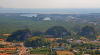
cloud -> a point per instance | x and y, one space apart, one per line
50 3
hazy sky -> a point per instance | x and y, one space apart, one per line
50 3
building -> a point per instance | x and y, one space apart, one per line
98 38
51 38
5 54
47 19
6 35
7 51
2 40
64 52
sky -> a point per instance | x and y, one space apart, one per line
49 3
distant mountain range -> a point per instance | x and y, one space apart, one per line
67 10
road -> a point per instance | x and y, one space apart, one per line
23 50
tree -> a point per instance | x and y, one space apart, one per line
57 31
36 42
2 46
88 31
20 35
37 33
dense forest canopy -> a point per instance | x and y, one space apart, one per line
20 35
11 22
88 31
57 31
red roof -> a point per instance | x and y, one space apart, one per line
4 54
7 48
98 36
1 39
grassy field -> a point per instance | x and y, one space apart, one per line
40 51
3 37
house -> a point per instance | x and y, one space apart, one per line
98 38
7 51
7 48
70 40
51 38
5 54
47 19
87 54
64 52
5 35
2 40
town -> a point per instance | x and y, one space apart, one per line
49 27
38 44
49 34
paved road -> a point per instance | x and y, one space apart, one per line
23 50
